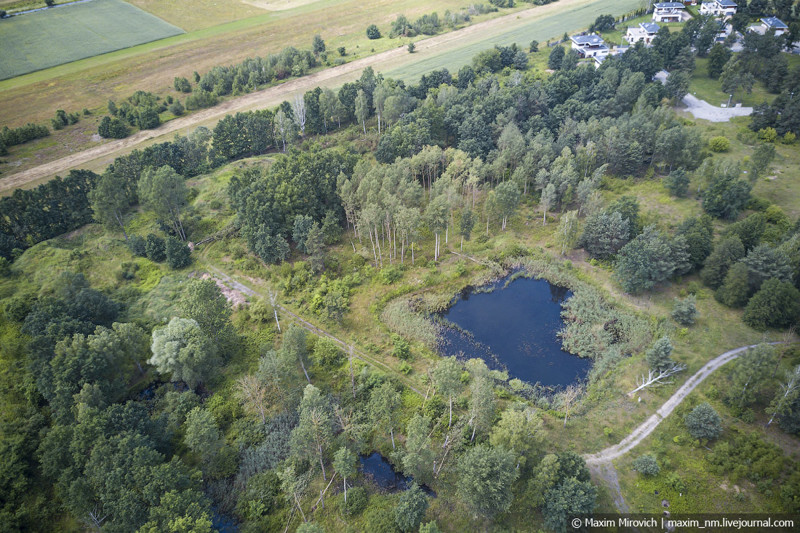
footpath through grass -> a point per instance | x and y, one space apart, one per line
55 36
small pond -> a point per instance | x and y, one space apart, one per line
513 326
380 471
222 522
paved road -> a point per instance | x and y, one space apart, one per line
703 110
647 427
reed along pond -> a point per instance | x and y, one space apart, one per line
512 324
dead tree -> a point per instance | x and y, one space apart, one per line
655 379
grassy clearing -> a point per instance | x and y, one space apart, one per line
40 40
711 91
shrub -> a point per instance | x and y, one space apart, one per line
391 274
182 85
789 138
719 144
112 128
155 248
176 108
768 135
327 353
356 501
177 253
137 246
775 305
684 312
372 33
405 368
411 48
401 348
646 465
342 51
703 422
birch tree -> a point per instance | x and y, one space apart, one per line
447 376
383 404
787 392
547 200
314 431
362 110
344 464
568 231
299 110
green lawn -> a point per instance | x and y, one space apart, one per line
710 90
48 38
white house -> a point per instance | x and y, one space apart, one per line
616 51
668 11
770 23
644 32
724 32
718 8
590 45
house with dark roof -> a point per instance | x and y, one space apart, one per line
668 11
644 32
589 45
718 8
770 23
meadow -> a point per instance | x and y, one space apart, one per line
48 38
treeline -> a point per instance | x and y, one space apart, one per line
49 210
23 134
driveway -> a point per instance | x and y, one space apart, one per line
703 110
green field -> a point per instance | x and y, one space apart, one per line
522 33
48 38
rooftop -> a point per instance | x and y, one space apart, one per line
726 3
650 27
774 22
668 5
587 40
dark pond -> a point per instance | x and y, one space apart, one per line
380 471
515 328
222 523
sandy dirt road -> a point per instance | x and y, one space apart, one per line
98 157
647 427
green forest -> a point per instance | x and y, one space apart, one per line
215 332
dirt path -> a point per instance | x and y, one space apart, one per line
647 427
300 321
331 77
607 473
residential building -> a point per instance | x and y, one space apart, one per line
718 8
668 11
591 45
617 50
770 23
644 32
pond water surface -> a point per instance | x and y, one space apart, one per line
381 472
515 328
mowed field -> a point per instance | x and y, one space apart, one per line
532 25
63 34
